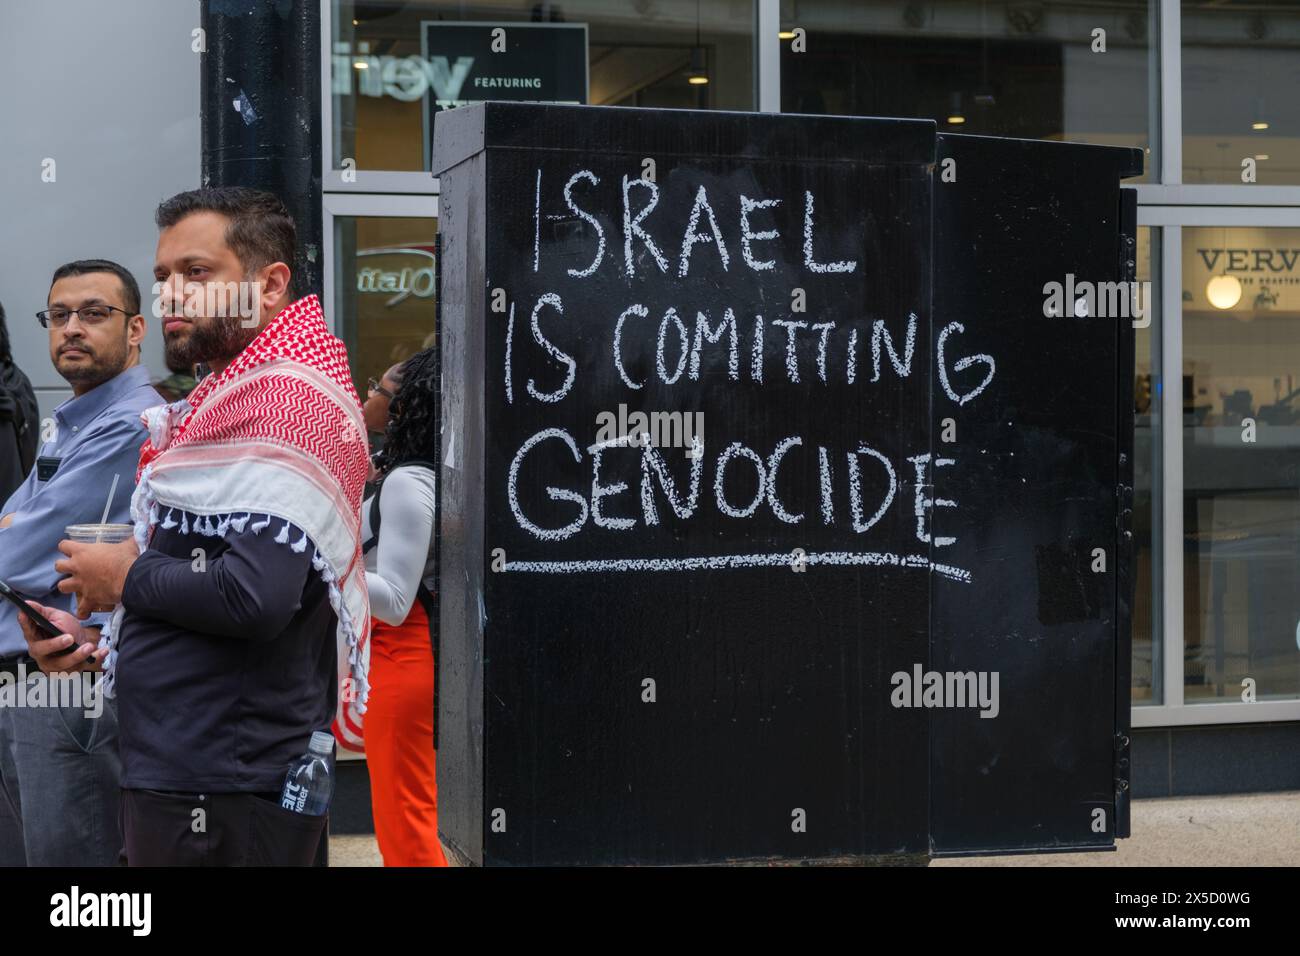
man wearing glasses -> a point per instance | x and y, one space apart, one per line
59 766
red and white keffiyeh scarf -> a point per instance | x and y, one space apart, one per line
276 439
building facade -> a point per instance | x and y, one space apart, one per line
1200 86
1205 88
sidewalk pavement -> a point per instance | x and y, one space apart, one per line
1245 829
1251 829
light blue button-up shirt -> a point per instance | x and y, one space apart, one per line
97 435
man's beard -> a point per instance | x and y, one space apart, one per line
104 364
214 339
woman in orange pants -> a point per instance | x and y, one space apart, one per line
399 743
399 716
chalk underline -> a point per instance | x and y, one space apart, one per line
733 561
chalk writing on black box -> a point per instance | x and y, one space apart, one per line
628 235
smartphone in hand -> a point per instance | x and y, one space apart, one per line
37 619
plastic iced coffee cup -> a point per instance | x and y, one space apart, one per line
99 533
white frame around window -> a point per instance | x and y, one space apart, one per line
767 56
1169 92
1223 195
374 181
1175 711
1218 216
364 204
1169 495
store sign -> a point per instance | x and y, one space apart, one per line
470 62
537 62
404 78
405 271
1269 276
1250 260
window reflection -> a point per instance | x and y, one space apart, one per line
384 291
1241 70
1059 69
1147 562
692 55
1241 458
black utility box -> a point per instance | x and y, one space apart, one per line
785 505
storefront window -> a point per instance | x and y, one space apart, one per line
1241 70
1057 69
394 64
384 290
1147 562
1241 460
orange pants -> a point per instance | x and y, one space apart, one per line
399 742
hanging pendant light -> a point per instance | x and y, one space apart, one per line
1223 291
1261 122
955 115
984 92
699 73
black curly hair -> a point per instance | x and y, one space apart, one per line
411 414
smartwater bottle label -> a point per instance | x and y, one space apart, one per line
294 797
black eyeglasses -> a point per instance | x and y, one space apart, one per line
90 315
376 387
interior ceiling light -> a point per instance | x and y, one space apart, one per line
955 116
1223 291
698 76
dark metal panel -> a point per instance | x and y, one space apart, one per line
1126 573
772 685
458 135
1229 758
260 107
680 133
1037 457
460 582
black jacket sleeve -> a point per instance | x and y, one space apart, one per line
18 405
250 591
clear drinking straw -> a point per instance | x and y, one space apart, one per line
108 506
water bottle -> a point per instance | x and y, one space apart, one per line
310 783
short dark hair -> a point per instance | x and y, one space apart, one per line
261 230
130 290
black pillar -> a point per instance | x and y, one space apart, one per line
260 103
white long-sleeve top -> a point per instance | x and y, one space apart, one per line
401 558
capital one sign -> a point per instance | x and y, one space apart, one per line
401 272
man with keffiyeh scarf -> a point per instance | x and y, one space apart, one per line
240 614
